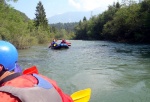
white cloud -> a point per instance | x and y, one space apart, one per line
75 4
87 5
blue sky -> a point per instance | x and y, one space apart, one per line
54 7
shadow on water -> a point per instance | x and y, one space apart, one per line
116 72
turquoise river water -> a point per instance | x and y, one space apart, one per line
116 72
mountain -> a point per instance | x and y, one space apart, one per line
69 17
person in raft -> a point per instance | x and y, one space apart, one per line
16 86
65 42
53 43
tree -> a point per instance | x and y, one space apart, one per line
40 14
4 1
84 19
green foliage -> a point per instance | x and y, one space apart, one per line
81 30
42 35
66 26
4 34
42 31
115 28
63 30
15 27
92 29
84 18
129 22
40 14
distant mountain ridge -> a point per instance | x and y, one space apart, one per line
69 17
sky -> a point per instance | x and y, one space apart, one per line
54 7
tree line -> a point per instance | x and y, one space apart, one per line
122 22
23 32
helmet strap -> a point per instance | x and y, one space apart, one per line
2 72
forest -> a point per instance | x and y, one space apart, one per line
23 32
127 21
121 22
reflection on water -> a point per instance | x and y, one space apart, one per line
115 72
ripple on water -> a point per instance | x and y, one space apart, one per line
116 72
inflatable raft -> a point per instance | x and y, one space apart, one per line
59 46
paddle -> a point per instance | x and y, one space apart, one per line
82 95
79 96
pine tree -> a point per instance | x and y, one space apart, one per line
40 14
84 19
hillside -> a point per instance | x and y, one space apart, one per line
69 17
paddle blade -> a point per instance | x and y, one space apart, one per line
82 95
31 70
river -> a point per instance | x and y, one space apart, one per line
116 72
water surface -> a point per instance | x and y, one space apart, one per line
116 72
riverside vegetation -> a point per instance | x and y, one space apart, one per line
23 32
127 21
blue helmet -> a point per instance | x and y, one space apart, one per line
8 55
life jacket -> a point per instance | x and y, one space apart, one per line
63 41
32 88
53 44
